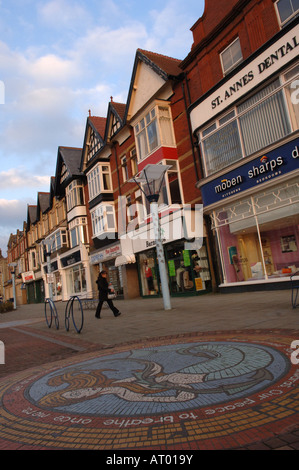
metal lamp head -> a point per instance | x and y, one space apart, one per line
150 180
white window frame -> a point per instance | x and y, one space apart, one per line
101 220
289 18
78 226
160 114
73 195
234 64
95 179
52 241
232 114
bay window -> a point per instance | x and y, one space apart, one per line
78 232
74 195
154 130
103 220
99 180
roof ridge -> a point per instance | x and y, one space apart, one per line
160 55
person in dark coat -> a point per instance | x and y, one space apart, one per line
104 290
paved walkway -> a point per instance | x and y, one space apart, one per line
216 372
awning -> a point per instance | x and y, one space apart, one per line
125 259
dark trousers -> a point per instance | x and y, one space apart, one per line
110 304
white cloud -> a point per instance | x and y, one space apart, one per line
63 14
21 178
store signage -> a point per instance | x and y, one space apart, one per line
28 276
71 259
108 253
270 61
266 167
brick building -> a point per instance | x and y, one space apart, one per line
243 79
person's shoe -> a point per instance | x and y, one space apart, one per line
96 316
117 314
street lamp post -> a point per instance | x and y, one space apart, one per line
150 181
47 254
13 273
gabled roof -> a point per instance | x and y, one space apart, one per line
31 216
117 111
98 124
166 69
43 202
161 63
71 158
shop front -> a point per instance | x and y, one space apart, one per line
188 269
255 219
75 274
105 260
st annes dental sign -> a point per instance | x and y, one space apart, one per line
256 172
256 69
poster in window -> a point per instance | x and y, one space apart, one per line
288 244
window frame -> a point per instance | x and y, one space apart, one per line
227 49
95 180
208 130
100 219
289 18
165 137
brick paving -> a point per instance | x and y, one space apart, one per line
32 351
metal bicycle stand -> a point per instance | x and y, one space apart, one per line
69 311
50 313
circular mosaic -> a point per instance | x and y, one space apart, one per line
206 391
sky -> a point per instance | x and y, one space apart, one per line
58 60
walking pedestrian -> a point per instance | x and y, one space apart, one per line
104 291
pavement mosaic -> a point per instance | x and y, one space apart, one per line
217 390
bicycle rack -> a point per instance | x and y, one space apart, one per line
69 310
53 313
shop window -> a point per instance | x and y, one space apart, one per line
256 123
76 280
149 273
231 56
258 237
188 270
99 180
287 10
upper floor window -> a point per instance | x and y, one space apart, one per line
125 171
99 180
154 130
56 240
231 56
261 120
74 195
78 232
287 9
134 165
103 220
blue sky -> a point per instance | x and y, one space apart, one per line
60 58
